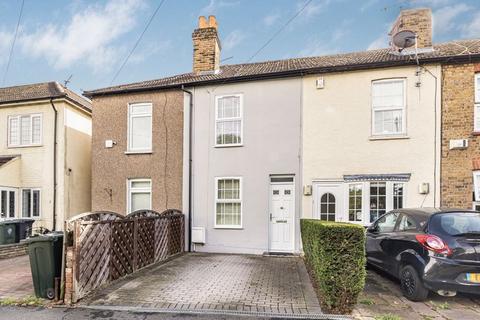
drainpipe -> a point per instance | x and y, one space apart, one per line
190 207
54 164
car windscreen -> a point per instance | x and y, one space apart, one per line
456 223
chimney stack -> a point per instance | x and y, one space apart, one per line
206 46
418 21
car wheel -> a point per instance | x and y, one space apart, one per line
412 285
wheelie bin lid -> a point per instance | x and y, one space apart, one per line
52 236
8 221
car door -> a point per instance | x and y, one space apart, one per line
379 240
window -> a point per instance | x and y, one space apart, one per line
387 222
228 202
7 203
24 130
140 127
30 203
397 195
476 185
388 107
139 194
355 202
407 224
228 121
378 197
327 207
477 103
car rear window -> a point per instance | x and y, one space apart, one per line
456 223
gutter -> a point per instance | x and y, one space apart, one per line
294 73
190 187
54 213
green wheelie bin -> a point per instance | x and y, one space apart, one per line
8 232
45 253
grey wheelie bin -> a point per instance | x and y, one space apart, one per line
8 232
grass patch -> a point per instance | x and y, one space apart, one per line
441 306
388 316
367 301
30 301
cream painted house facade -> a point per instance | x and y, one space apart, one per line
370 142
45 146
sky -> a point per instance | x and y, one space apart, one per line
88 40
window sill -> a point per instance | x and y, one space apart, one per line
228 228
228 145
476 133
139 152
26 146
389 137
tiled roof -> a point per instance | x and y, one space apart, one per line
6 159
38 91
331 63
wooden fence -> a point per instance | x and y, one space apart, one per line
107 246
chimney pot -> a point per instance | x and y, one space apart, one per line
202 22
212 22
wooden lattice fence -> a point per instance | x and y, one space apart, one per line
107 246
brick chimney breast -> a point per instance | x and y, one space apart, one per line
418 21
206 46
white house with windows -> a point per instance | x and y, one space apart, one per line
44 153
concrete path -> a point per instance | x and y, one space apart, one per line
15 278
382 297
216 283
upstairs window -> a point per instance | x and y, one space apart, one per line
388 107
140 127
25 130
228 120
477 103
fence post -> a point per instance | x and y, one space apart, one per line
135 244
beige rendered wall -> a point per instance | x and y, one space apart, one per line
77 165
111 167
36 163
337 136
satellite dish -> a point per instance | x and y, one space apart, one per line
404 39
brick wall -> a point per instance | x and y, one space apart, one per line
457 123
13 250
418 21
206 46
69 297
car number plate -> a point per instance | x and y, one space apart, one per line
473 277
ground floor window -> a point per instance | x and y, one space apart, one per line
228 202
31 203
327 207
355 192
139 194
378 200
8 202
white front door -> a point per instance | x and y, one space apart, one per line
328 201
282 216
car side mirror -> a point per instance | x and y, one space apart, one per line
372 229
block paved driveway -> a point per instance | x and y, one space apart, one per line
15 278
215 283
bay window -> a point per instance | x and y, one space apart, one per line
228 203
388 107
228 120
24 130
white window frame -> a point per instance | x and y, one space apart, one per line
476 104
217 120
131 191
476 184
387 108
31 216
347 193
130 149
18 117
366 198
8 190
216 200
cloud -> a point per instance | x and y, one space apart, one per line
269 20
88 36
379 43
314 8
214 5
6 39
444 18
233 39
151 49
317 48
472 28
367 4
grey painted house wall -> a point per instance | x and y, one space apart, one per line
271 146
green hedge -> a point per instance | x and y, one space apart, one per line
335 255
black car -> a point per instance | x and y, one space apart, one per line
428 249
